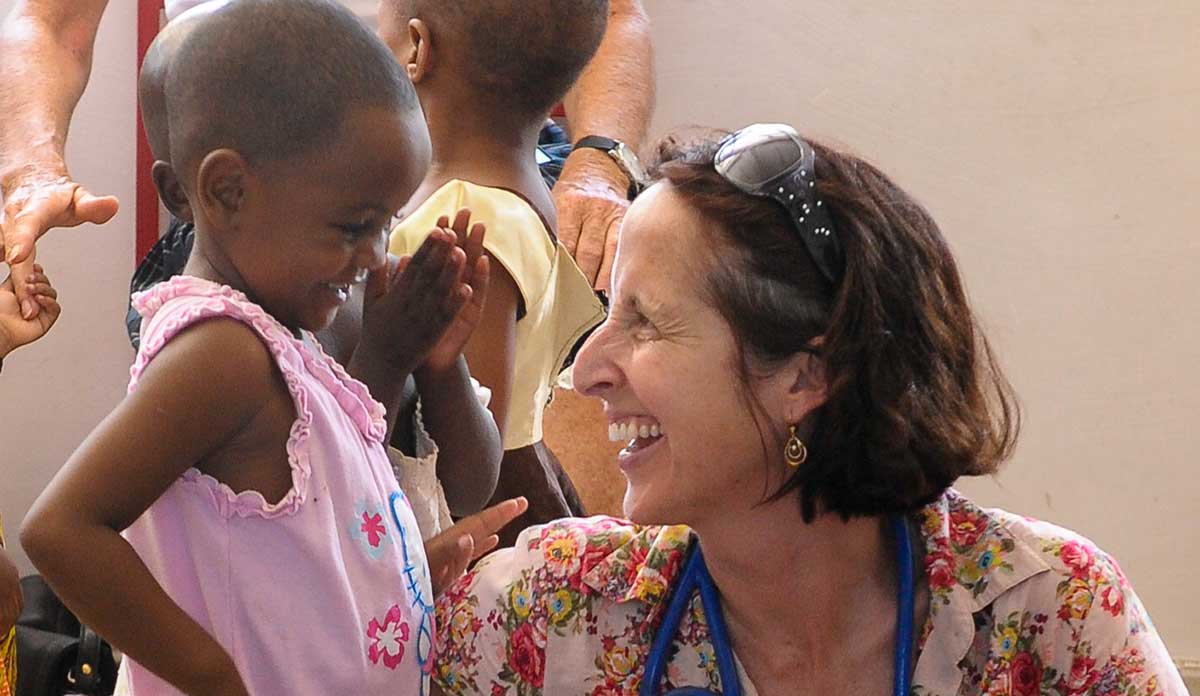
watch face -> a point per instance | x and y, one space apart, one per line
630 163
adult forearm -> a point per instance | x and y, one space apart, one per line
615 94
83 563
469 448
45 60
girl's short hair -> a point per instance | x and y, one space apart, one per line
915 395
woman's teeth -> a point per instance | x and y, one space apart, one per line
631 429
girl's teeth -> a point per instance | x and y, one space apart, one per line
655 431
644 431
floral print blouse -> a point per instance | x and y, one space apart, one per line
1017 606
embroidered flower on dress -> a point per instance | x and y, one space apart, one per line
369 529
388 639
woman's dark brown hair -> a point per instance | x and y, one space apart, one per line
915 396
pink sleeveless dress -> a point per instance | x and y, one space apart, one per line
325 592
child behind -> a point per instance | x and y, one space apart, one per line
487 73
267 547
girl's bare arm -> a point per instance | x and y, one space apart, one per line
201 390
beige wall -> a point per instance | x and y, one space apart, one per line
1057 144
53 393
1057 147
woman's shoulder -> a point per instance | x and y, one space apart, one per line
1045 596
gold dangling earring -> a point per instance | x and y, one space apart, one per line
795 453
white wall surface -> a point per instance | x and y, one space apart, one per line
1057 145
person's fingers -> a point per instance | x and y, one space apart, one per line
462 220
484 524
481 277
589 252
94 209
37 290
455 564
20 272
568 217
378 282
399 265
474 246
50 307
611 237
486 546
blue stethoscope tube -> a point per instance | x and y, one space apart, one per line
695 577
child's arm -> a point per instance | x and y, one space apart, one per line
491 351
201 390
468 439
16 330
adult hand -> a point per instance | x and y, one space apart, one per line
34 202
15 329
450 552
591 197
446 352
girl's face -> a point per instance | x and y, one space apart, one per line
311 227
666 362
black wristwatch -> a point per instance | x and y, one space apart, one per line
624 157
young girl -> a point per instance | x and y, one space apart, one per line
266 545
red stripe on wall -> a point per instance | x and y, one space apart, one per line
146 219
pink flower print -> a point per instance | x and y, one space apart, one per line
388 639
368 528
372 526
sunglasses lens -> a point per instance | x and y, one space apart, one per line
759 154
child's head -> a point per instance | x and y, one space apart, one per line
296 138
515 58
152 95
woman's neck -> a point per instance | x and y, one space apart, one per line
800 599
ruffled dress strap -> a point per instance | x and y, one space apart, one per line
183 301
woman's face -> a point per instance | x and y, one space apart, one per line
666 362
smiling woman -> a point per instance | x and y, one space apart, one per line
794 363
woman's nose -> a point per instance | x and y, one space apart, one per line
596 371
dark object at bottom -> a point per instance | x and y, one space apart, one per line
56 654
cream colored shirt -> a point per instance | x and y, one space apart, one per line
560 306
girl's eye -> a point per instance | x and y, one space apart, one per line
359 230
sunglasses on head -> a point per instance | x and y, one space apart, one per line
771 160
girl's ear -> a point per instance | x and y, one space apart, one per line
221 187
419 60
170 191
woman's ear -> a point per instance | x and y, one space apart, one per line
808 388
419 60
221 187
170 191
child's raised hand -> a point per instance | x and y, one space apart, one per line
475 276
450 552
411 302
15 329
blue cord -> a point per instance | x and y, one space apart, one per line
695 576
